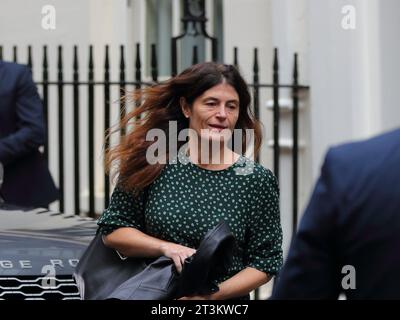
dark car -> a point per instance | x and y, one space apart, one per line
39 250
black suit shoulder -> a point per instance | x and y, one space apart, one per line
363 150
357 161
14 67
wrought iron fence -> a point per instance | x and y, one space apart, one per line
90 84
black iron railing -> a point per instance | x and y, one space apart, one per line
122 83
107 84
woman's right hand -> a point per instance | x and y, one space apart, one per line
177 253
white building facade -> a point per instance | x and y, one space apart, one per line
347 50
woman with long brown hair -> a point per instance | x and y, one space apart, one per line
165 207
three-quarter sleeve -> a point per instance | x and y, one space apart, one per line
263 250
124 210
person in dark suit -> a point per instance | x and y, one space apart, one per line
348 241
27 180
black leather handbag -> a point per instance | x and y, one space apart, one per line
103 274
101 269
160 280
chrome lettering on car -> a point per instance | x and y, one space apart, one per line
27 264
55 262
6 264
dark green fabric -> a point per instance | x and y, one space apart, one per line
185 201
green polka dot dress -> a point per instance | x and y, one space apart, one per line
185 201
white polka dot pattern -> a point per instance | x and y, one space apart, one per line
185 201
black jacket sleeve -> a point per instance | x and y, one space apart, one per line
30 133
